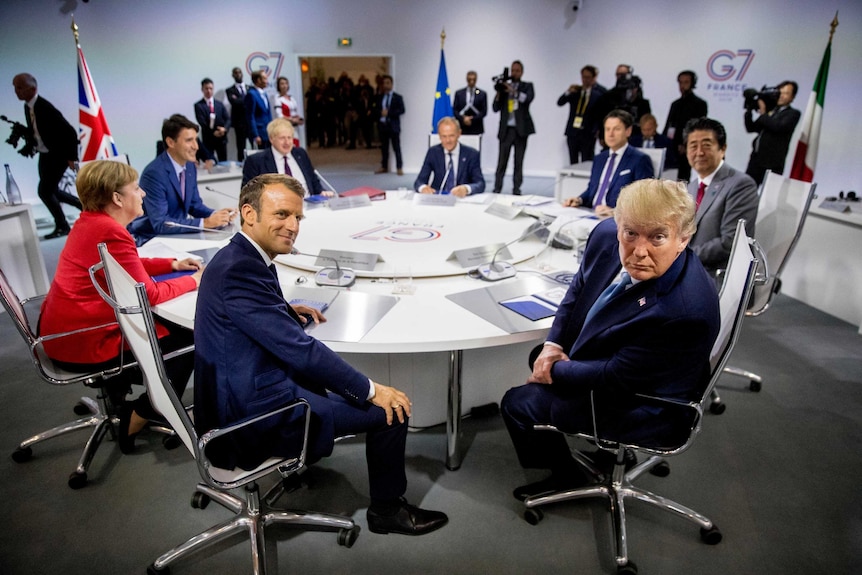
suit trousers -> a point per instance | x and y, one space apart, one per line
241 135
387 136
525 406
384 445
51 170
511 139
218 146
582 146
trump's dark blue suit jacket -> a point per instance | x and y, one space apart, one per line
252 356
634 165
469 169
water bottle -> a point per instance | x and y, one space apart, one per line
13 193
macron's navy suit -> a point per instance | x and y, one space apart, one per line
164 202
264 163
633 166
655 339
469 170
252 356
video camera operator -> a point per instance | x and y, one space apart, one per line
626 95
774 126
512 101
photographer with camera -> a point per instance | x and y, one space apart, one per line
513 102
774 127
626 95
57 143
581 129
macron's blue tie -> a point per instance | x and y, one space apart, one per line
610 293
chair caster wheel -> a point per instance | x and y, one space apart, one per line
81 409
151 570
77 480
21 455
755 385
628 569
711 536
661 469
717 408
533 516
171 442
347 537
200 500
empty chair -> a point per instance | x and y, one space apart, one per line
252 512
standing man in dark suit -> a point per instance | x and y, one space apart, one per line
651 333
688 106
614 168
171 184
258 114
471 107
774 129
57 143
284 158
449 167
581 128
722 194
513 101
390 107
241 314
235 98
213 120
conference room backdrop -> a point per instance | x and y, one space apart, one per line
147 60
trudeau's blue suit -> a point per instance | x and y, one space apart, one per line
264 163
164 203
655 339
252 356
469 169
633 166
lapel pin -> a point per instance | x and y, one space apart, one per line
642 301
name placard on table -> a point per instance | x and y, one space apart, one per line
356 260
434 200
472 257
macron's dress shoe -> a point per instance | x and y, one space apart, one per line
408 520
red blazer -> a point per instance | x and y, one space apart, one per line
73 303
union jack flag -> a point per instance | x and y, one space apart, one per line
94 137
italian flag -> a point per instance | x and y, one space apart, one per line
809 139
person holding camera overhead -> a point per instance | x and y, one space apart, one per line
774 127
513 102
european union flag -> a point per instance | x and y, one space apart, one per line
442 96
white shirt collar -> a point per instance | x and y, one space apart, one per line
266 258
708 180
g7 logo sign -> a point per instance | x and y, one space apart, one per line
721 68
269 63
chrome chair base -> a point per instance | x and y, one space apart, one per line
253 515
616 489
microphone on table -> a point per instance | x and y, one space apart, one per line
330 276
495 270
196 229
328 185
215 191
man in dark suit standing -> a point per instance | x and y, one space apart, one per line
651 333
235 96
213 120
258 113
283 158
172 204
449 167
774 129
614 168
722 194
57 143
390 107
513 101
683 109
581 128
241 314
471 107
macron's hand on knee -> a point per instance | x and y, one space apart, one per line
392 401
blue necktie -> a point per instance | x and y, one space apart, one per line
610 293
450 176
603 189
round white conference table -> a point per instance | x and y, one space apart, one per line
437 325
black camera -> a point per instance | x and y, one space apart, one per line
501 80
769 95
19 131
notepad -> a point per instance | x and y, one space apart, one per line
320 306
529 307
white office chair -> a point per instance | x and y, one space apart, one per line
618 487
781 213
657 157
252 512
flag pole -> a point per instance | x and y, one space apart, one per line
443 37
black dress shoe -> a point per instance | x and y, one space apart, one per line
126 441
556 482
407 520
58 233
